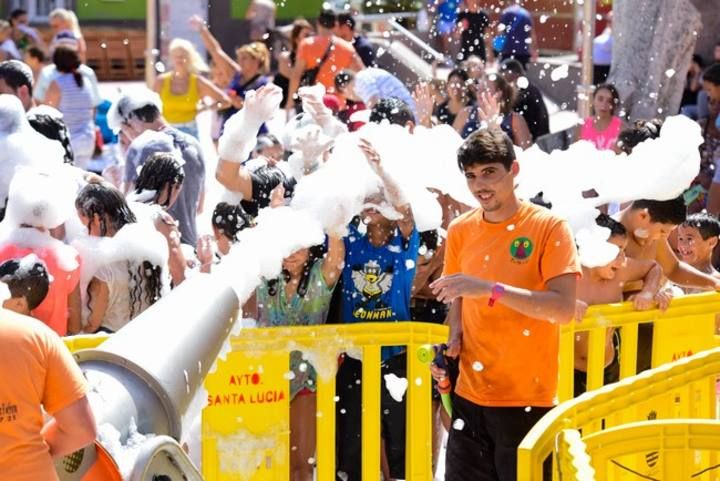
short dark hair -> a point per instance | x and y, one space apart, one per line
640 131
512 66
616 228
230 219
327 18
16 74
25 279
712 74
707 225
486 146
673 212
346 19
392 109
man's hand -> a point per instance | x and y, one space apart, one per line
449 288
205 250
581 308
277 196
437 373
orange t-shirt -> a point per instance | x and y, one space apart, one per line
312 49
36 371
53 311
507 358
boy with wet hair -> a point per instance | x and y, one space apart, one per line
28 282
697 238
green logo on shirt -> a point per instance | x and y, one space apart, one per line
521 248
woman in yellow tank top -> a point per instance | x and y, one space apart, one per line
183 88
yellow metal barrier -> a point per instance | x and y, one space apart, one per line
686 328
675 443
681 389
322 345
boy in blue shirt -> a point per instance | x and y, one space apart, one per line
376 287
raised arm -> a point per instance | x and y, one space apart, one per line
392 190
295 75
218 55
239 137
334 259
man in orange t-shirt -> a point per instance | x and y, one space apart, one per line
311 51
38 373
511 271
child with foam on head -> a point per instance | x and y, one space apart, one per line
27 280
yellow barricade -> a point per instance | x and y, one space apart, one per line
675 442
686 328
680 389
265 353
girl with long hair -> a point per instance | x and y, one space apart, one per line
603 127
300 296
158 186
124 281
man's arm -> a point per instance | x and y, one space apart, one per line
74 310
454 322
70 429
681 273
556 304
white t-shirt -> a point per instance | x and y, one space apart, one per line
120 286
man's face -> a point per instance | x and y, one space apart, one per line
491 184
343 31
691 246
609 272
21 20
716 53
712 90
22 93
132 128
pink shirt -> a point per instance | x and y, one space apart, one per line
603 140
53 311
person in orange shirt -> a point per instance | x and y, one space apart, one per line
44 376
320 57
511 270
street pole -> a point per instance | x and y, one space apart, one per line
151 37
584 90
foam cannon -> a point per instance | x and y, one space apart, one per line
148 373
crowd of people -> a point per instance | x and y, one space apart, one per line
87 250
